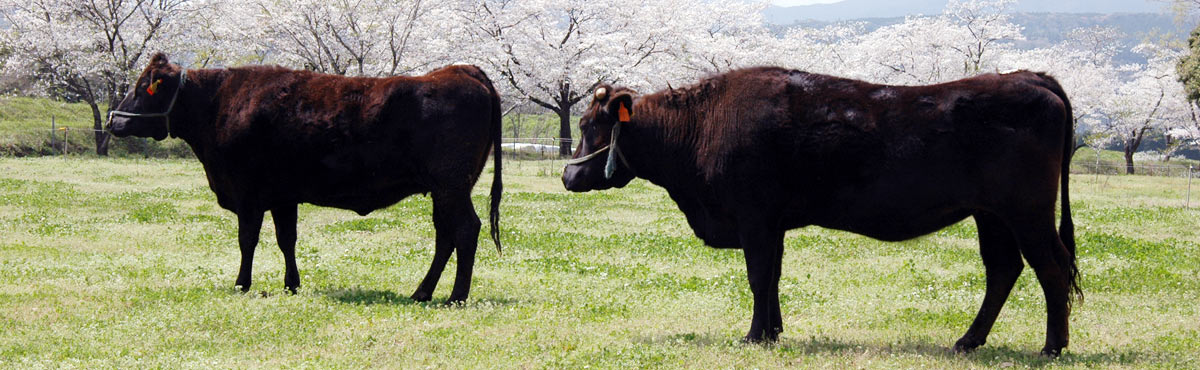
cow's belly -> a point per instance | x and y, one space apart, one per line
899 226
897 210
365 198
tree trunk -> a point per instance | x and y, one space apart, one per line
1131 146
1128 161
101 136
564 131
1169 150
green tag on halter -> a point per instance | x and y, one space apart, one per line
611 166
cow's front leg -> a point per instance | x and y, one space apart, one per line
285 233
763 247
249 225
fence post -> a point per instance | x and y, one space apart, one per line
1188 202
53 133
66 130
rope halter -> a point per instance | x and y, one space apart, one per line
165 115
614 153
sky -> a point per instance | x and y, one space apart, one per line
800 2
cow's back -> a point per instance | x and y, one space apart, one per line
869 153
356 143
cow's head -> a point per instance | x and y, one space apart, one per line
599 163
146 110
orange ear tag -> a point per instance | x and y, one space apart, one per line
623 113
153 87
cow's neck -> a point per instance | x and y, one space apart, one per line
659 145
196 108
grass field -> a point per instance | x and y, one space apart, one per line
130 263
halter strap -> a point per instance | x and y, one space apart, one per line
614 153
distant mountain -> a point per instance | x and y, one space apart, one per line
1046 29
852 9
856 9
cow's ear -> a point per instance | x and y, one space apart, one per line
620 106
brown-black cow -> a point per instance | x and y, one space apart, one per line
271 138
752 153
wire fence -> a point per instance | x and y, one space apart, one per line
1156 181
537 156
56 138
547 156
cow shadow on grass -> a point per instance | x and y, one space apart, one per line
367 297
988 356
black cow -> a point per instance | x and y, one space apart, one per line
752 153
271 138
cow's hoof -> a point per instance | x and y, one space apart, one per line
1051 352
420 296
456 300
965 345
762 336
291 285
243 288
292 289
760 339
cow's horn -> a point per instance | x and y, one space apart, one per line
601 93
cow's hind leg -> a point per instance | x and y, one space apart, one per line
763 248
466 240
1042 249
443 226
1002 263
285 233
249 225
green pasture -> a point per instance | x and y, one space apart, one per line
130 263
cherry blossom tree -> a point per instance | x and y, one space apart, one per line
88 50
356 37
988 27
968 38
1151 99
918 51
1083 64
711 37
555 52
225 33
830 50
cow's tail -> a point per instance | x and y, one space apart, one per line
497 184
1066 228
